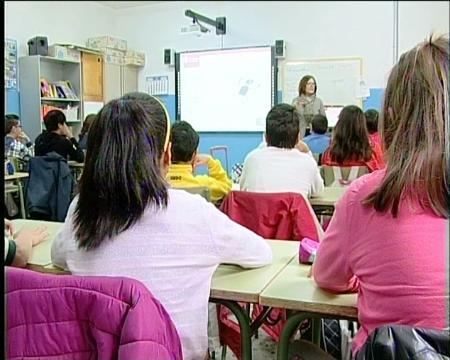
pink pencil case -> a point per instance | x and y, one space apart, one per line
307 251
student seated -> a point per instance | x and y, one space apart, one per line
18 250
372 125
58 137
126 221
388 237
350 144
318 141
82 139
185 160
17 143
286 164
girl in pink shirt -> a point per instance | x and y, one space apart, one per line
387 239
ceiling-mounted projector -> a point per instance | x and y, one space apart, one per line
194 29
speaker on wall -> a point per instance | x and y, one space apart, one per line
280 49
169 57
38 46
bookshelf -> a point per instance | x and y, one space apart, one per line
32 102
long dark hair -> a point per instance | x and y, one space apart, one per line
413 130
87 124
350 136
122 171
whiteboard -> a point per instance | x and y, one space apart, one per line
227 89
338 80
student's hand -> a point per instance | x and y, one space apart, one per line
67 131
9 227
302 147
303 102
32 236
23 136
201 159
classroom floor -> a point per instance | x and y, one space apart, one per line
264 348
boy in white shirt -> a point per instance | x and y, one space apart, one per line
285 165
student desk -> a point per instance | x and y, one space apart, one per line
328 197
41 255
293 289
231 284
9 188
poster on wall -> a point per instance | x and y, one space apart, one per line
10 64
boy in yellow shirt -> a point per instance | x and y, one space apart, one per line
185 160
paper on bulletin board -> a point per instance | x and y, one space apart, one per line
362 90
157 84
10 64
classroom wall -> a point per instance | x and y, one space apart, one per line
60 21
310 29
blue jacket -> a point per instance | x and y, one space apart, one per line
317 143
49 187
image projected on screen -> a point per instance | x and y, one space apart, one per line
225 90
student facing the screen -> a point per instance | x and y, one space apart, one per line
185 160
285 164
126 221
387 239
318 141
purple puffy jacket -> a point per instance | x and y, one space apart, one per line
66 317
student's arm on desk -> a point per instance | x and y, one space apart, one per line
331 268
234 243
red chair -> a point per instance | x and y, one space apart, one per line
282 216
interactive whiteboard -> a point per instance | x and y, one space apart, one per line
339 81
225 90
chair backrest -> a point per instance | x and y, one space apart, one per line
284 216
341 176
214 150
103 317
203 191
397 342
316 157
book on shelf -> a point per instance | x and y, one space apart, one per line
58 90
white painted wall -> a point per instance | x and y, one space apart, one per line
417 20
60 21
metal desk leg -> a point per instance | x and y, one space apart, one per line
290 326
22 203
316 330
244 325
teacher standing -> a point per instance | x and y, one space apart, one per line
307 103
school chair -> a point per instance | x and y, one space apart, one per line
203 191
397 342
283 216
317 157
85 317
341 176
